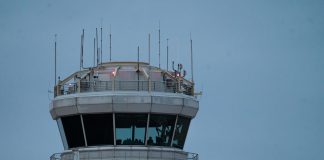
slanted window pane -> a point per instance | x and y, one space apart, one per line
130 129
181 131
161 129
98 129
73 131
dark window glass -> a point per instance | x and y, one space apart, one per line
98 129
130 129
73 131
181 131
160 130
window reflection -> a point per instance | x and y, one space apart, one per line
73 131
160 129
130 129
181 131
98 129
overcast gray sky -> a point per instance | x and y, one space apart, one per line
260 65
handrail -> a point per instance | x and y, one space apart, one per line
142 85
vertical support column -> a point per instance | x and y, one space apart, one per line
147 127
114 128
62 133
84 134
174 129
148 121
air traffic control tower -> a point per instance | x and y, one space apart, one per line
124 111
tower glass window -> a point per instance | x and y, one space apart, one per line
181 131
73 131
160 129
98 129
130 129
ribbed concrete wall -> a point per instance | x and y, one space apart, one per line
124 153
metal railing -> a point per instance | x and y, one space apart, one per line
97 86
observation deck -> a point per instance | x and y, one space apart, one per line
124 110
124 76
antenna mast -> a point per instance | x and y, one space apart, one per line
138 58
55 59
138 70
191 54
168 54
82 46
149 48
110 45
81 52
94 52
101 45
159 46
97 47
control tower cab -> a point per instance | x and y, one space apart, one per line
124 110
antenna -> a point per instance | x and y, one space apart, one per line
159 45
167 54
55 59
138 58
82 46
191 54
81 52
110 44
173 66
149 48
94 52
101 45
110 47
97 47
138 70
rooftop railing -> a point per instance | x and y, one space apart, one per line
97 86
